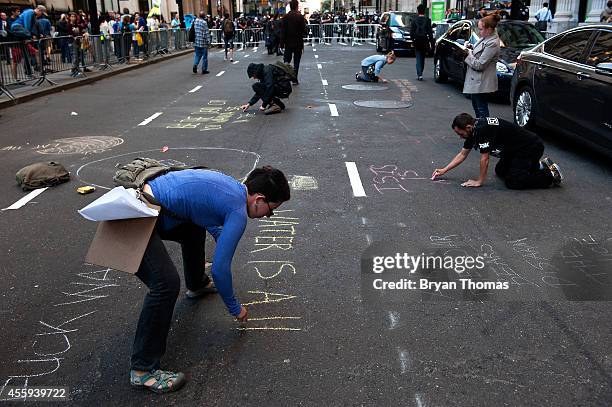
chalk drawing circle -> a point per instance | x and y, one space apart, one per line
364 87
81 145
159 156
383 104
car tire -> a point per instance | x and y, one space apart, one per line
439 75
524 108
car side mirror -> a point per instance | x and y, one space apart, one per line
604 67
434 25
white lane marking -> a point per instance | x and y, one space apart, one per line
218 52
255 49
303 183
394 318
150 119
316 56
319 66
418 397
364 221
343 43
333 109
26 199
324 81
220 73
404 360
343 155
369 239
314 50
197 88
355 179
246 56
372 43
235 62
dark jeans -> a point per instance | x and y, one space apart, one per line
521 170
159 274
365 77
420 60
260 90
480 104
296 53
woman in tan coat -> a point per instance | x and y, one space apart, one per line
481 61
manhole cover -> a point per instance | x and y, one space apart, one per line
80 145
383 104
364 87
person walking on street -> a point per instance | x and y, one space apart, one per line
372 66
422 37
543 16
292 37
201 43
520 165
201 201
229 30
481 60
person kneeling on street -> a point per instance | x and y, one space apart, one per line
274 84
371 67
193 202
520 165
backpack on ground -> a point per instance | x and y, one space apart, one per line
287 69
41 175
228 27
136 173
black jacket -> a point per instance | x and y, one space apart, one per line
425 22
272 81
293 30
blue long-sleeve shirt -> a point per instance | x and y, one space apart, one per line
213 201
377 60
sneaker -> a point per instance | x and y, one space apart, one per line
195 69
272 109
231 59
546 162
556 173
356 76
205 72
210 289
295 83
420 78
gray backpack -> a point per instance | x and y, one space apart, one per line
42 175
136 173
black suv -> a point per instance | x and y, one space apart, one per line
565 84
394 32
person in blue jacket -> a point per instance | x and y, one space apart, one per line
371 67
193 202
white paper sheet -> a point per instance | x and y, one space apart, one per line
118 203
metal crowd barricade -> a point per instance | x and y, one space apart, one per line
363 33
216 36
254 36
19 64
344 32
313 33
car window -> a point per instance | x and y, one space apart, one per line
400 20
519 35
571 46
461 31
602 49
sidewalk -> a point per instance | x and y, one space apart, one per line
64 81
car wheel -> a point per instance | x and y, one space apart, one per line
524 108
378 47
439 75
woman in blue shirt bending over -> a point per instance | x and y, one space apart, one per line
371 67
195 201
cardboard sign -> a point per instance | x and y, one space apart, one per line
120 244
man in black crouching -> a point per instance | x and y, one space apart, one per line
520 165
274 84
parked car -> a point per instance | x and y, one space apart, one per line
565 84
394 32
515 36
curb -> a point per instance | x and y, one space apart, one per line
85 81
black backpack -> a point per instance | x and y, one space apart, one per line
228 27
420 31
191 33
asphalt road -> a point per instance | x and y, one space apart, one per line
319 334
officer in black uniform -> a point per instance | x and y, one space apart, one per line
521 165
